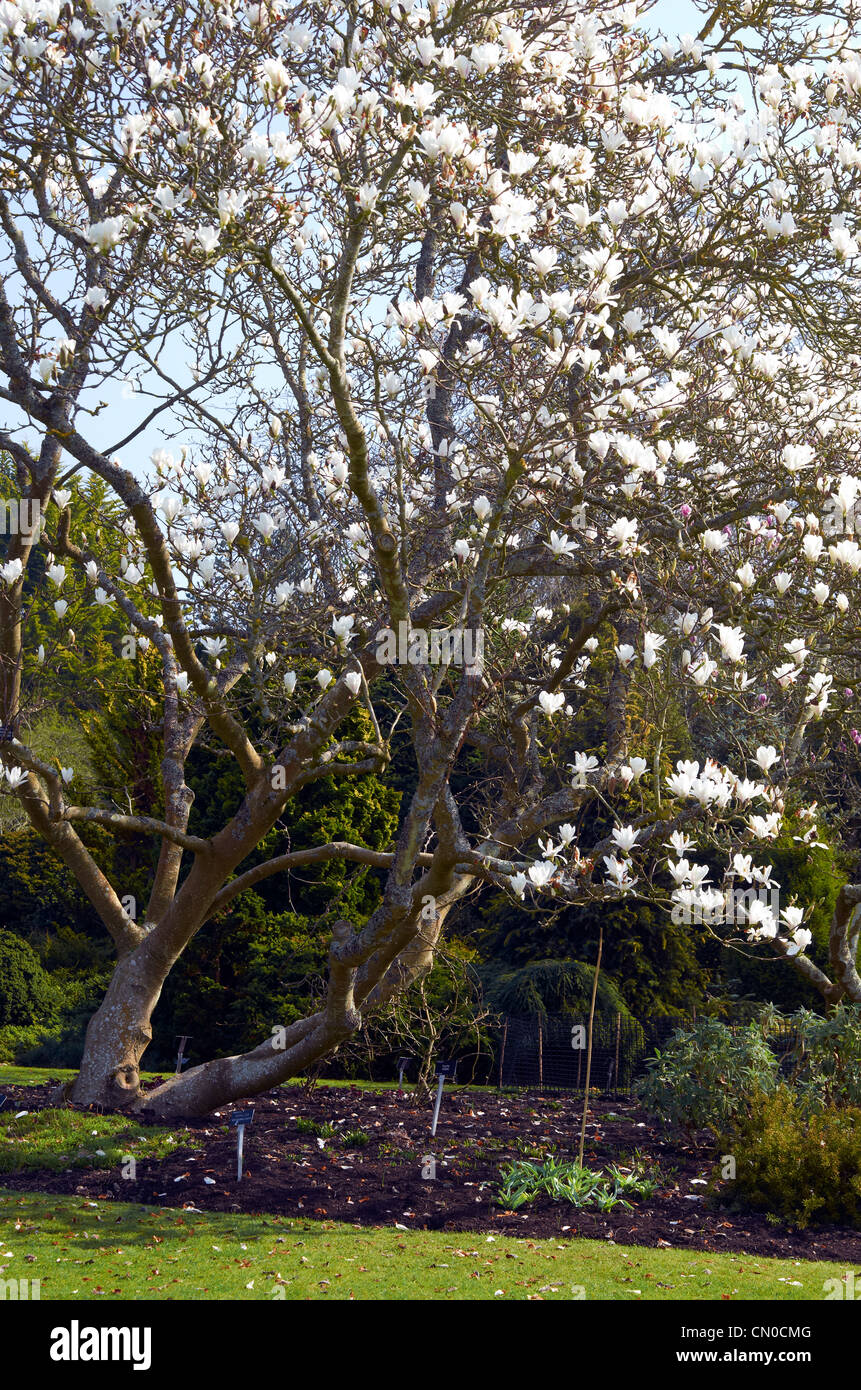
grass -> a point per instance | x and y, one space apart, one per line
116 1251
13 1075
60 1139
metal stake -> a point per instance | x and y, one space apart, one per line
438 1103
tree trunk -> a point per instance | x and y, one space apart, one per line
119 1033
844 981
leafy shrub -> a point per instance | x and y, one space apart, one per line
545 987
15 1041
708 1075
800 1166
826 1066
525 1180
26 992
59 1046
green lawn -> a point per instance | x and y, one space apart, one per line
61 1139
11 1075
86 1249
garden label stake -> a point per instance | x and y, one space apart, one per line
183 1039
240 1118
403 1063
445 1069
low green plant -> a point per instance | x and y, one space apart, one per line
563 1181
798 1166
355 1139
707 1075
324 1131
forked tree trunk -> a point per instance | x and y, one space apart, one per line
119 1033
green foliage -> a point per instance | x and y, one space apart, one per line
124 736
651 961
26 992
355 1139
811 878
83 648
827 1059
49 734
708 1075
550 987
561 1181
324 1131
15 1041
40 897
803 1167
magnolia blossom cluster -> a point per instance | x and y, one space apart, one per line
564 866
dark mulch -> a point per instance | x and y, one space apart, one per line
380 1183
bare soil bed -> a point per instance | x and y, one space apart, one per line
379 1177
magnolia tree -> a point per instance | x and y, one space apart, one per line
476 339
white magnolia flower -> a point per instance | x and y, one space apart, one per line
618 871
11 571
652 644
343 629
541 873
560 545
518 884
551 702
583 764
104 236
625 837
731 640
207 238
800 941
766 757
681 843
745 790
713 542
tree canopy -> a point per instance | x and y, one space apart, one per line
504 361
